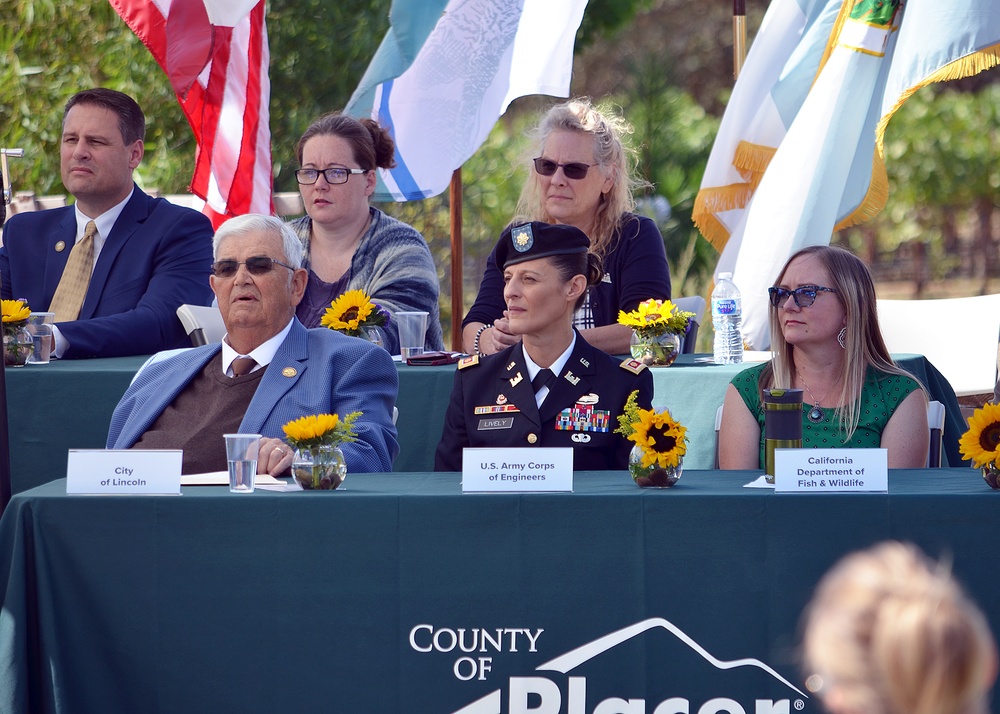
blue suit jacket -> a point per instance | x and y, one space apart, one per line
313 372
156 258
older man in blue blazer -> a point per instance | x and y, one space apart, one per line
268 370
139 257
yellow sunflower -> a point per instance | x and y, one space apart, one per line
663 441
981 442
649 313
15 311
348 312
318 429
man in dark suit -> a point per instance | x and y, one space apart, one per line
136 258
189 398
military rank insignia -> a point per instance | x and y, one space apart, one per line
470 361
522 237
633 365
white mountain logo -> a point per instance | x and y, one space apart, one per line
492 702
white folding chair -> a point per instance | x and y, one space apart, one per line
958 336
203 324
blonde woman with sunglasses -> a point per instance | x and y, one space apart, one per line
827 342
581 175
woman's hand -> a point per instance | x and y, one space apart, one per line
274 456
498 337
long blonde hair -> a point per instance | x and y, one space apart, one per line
612 156
863 341
889 631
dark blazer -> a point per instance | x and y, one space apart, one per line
313 372
156 258
590 378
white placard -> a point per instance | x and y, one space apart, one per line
517 470
124 471
818 470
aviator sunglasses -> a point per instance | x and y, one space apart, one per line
574 170
258 265
804 296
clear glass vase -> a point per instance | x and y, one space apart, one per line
17 346
652 476
374 334
991 474
321 468
655 350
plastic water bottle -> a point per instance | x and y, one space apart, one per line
727 316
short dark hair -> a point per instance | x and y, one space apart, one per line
371 144
131 120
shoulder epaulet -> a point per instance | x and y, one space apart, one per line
470 361
633 365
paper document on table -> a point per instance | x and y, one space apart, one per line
761 482
221 478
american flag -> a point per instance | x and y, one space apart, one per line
216 57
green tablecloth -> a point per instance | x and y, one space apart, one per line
66 405
401 594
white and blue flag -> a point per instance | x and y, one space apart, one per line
799 153
448 69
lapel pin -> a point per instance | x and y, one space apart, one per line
289 372
516 379
60 246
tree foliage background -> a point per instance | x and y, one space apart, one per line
666 64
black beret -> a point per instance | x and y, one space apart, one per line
528 241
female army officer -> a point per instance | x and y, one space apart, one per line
551 388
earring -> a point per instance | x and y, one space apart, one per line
842 338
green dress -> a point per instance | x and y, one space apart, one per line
880 396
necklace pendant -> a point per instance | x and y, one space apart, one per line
815 414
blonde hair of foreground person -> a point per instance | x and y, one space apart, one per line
889 631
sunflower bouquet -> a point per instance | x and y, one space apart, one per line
315 430
354 313
17 343
15 315
660 444
981 443
653 318
319 463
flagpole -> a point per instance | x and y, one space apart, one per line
457 311
739 36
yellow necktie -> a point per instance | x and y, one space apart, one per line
72 288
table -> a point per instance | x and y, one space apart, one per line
68 404
401 594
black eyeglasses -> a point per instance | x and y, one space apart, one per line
573 170
335 175
804 296
258 265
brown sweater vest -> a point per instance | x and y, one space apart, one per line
211 405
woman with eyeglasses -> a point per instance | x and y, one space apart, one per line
826 342
581 176
351 245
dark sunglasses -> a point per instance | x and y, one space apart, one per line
334 176
258 265
804 296
573 170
